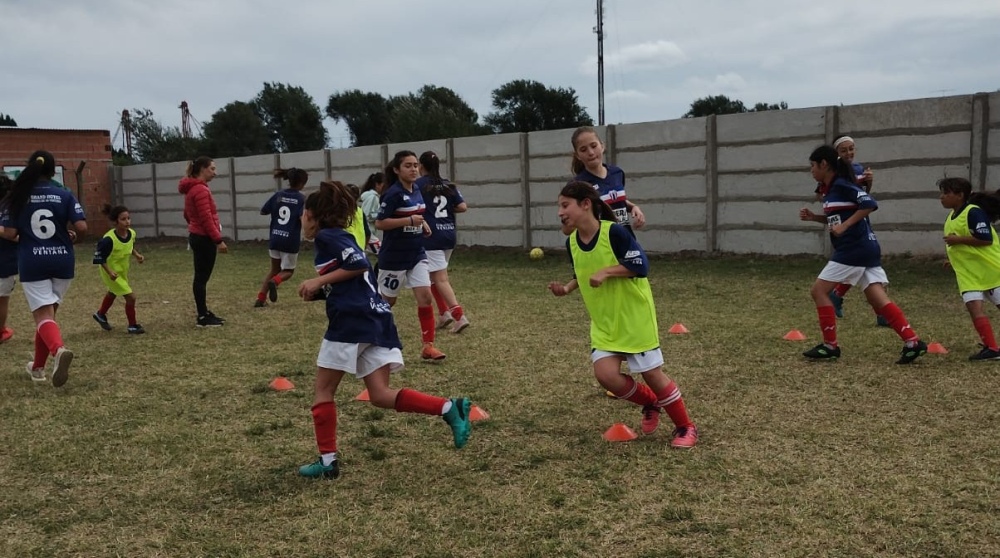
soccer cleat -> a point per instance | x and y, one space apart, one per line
272 291
910 354
461 324
5 334
102 320
209 320
650 419
685 437
259 304
880 321
444 320
316 470
430 352
222 320
458 419
37 374
136 329
821 351
985 354
60 366
838 303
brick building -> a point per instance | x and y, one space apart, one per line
70 148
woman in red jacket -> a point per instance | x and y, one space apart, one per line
204 232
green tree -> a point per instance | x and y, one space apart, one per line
433 112
293 120
7 120
120 158
367 115
761 107
152 142
236 130
528 106
721 104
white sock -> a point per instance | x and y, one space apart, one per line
446 407
328 458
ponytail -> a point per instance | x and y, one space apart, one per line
40 165
296 178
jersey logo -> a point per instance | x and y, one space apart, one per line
631 254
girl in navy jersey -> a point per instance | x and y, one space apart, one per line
857 256
402 261
36 212
285 209
610 270
445 201
114 254
361 338
609 181
8 269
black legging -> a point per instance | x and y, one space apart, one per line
204 251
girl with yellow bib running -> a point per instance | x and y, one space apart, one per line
114 254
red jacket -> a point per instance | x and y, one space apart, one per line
199 209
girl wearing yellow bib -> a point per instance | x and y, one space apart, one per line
610 270
114 252
974 254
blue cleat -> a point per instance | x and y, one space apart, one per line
458 419
838 303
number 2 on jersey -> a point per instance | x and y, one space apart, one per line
441 209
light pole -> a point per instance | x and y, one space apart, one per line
600 62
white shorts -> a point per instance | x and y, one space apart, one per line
358 359
288 261
45 292
7 285
858 276
992 295
390 282
437 260
637 362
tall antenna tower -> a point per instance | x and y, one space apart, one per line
185 120
599 29
125 129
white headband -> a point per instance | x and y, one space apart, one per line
841 140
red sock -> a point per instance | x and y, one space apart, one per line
637 393
49 332
109 299
277 280
130 312
427 325
325 425
413 401
898 322
670 400
456 312
439 300
41 352
985 331
841 289
828 324
261 295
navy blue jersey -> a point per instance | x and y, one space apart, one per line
859 171
612 190
403 247
858 245
440 215
44 249
979 223
623 244
285 208
356 312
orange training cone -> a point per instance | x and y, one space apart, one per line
281 383
677 329
478 414
937 349
795 335
620 433
363 396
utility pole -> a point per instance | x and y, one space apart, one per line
600 62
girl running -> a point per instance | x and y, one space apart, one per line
8 269
36 212
857 256
974 253
610 270
609 181
402 261
445 201
285 209
114 253
204 233
361 337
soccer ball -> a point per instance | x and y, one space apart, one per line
536 253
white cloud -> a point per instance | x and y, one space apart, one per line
729 82
643 56
627 95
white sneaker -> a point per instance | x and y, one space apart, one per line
60 366
461 324
37 374
444 320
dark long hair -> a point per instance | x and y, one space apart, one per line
840 167
580 190
390 171
333 206
372 182
988 202
577 165
437 185
41 165
296 178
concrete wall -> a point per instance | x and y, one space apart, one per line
730 183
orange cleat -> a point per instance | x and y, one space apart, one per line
431 352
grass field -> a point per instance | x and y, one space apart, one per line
170 444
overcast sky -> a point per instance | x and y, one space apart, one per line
70 64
